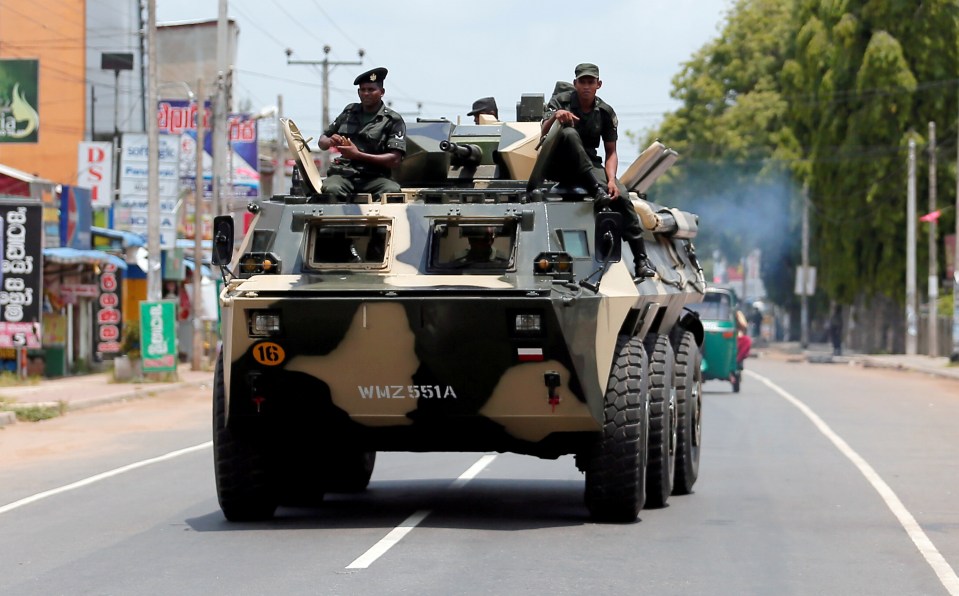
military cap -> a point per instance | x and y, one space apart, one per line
484 105
374 75
587 70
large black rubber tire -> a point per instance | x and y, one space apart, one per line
689 406
349 471
615 464
661 469
244 480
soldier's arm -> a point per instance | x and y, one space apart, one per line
390 159
330 138
611 165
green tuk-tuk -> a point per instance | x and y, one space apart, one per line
718 312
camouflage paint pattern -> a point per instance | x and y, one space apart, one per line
401 356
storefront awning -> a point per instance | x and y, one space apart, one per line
17 182
72 256
127 239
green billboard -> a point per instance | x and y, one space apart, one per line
158 348
19 87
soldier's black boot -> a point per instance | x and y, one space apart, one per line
601 197
644 269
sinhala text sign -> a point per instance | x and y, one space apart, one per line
158 348
22 281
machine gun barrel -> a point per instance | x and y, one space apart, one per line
463 154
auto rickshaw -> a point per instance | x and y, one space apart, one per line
722 324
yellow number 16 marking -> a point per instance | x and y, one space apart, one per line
268 353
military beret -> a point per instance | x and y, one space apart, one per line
587 70
376 75
484 105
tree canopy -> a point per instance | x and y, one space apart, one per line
821 93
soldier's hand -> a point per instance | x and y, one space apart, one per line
349 150
566 117
613 190
339 140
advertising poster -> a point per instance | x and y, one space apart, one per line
19 88
21 297
178 117
76 217
131 212
158 348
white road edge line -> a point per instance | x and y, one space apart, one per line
102 476
947 576
396 534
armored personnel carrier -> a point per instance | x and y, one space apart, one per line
479 309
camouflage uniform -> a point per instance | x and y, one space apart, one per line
575 160
375 134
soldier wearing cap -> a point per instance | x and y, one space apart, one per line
484 105
371 139
587 120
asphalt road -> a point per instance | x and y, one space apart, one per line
807 486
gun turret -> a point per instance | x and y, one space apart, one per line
464 155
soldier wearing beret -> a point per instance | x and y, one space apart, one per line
484 105
371 139
587 120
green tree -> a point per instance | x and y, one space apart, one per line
825 93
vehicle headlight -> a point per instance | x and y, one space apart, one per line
528 323
264 323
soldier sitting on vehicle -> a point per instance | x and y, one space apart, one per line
588 120
371 139
485 106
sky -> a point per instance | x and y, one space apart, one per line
444 54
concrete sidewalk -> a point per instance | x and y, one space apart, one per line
86 391
822 354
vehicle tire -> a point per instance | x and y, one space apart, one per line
615 464
689 392
661 469
349 471
737 379
241 464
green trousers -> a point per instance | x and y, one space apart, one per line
571 165
342 188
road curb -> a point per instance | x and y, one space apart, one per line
135 393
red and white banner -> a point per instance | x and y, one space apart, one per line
95 171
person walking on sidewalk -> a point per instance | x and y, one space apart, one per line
835 330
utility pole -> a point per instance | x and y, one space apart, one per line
220 144
279 175
804 278
912 330
326 63
197 361
954 356
933 322
153 160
